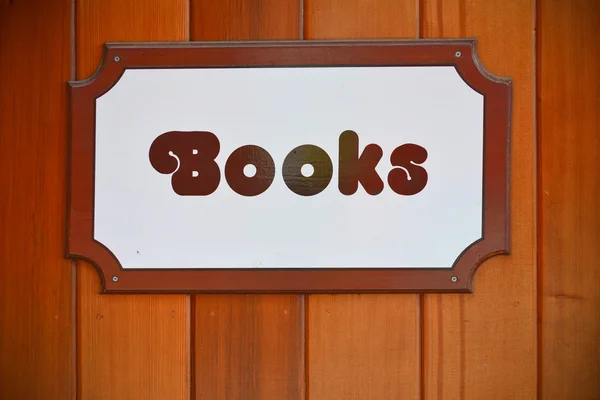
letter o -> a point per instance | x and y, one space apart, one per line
234 170
318 181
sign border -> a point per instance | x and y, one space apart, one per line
459 53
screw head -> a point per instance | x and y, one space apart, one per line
117 59
454 279
115 278
458 54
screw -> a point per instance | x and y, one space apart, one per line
458 54
115 278
117 59
454 279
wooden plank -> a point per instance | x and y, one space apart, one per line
130 346
569 189
355 19
484 345
248 346
362 346
245 20
36 357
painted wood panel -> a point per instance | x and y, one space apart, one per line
357 346
362 346
360 19
245 20
569 189
129 346
484 345
36 352
248 346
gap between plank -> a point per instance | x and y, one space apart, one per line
537 190
73 298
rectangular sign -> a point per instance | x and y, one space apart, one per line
289 167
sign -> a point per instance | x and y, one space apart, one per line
289 167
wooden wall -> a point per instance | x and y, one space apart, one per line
531 330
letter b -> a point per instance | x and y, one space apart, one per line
190 157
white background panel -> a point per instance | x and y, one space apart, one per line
146 224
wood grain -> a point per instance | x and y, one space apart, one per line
36 356
248 346
484 345
245 19
569 189
130 346
362 346
360 19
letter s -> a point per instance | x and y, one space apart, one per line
409 179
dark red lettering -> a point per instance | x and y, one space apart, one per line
354 168
262 179
190 157
318 181
408 179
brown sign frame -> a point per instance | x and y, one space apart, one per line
461 54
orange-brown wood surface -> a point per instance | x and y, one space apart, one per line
360 19
248 346
61 339
245 20
129 347
36 352
569 191
362 346
483 346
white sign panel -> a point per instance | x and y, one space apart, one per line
381 156
146 224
